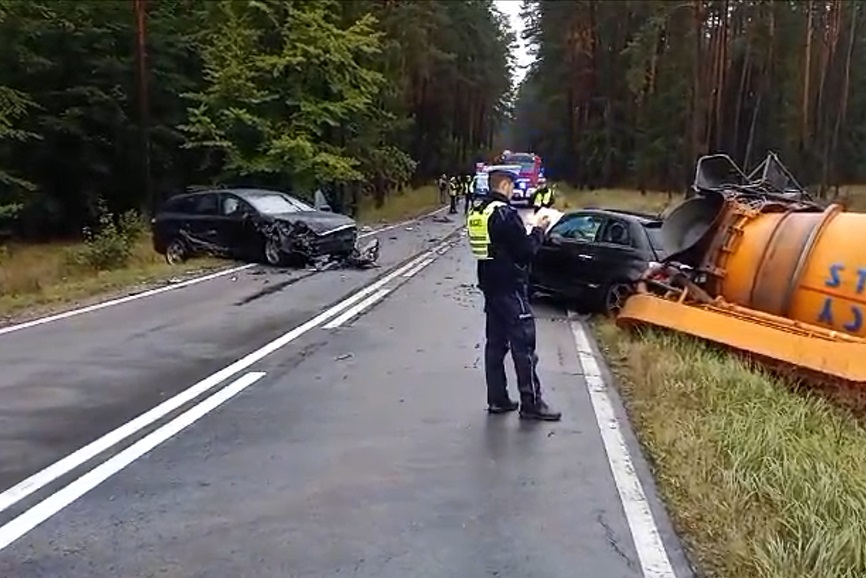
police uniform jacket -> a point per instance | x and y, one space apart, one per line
511 249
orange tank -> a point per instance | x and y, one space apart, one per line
807 267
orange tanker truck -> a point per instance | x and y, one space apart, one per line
755 265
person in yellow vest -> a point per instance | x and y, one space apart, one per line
453 191
504 251
544 197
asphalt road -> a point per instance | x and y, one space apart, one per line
349 443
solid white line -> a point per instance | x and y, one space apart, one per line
166 288
418 267
62 498
47 475
121 300
357 309
651 551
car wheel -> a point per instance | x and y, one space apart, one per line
273 253
176 252
615 297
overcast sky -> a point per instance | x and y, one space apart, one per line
512 9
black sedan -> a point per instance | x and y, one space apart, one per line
250 224
594 256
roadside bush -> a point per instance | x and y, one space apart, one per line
110 244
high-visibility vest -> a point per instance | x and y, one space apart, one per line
543 198
476 225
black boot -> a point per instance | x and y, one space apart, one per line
539 412
502 407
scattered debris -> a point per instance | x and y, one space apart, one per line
344 357
441 219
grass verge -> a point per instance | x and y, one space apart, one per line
652 202
400 207
761 481
45 276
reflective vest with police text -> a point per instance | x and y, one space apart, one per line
476 226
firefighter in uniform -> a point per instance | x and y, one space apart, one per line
544 196
504 250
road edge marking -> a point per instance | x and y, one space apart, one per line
33 517
357 309
171 287
651 551
48 474
121 300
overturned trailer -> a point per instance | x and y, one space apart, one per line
757 266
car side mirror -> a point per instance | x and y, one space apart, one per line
326 209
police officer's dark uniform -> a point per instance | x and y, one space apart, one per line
504 251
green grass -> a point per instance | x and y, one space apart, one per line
761 481
400 207
44 276
650 202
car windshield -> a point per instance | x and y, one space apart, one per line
654 232
276 204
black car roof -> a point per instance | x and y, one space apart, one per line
241 192
642 218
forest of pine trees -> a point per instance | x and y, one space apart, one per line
631 92
361 96
124 102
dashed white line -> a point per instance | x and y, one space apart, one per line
47 475
357 309
651 551
54 503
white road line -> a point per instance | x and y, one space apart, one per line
357 309
54 503
172 287
120 300
651 551
47 475
402 224
418 267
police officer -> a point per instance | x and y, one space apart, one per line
504 250
543 197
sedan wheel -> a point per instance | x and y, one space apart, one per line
615 298
175 252
273 253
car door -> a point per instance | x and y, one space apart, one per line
619 254
203 221
236 226
567 254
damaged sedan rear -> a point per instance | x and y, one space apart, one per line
252 225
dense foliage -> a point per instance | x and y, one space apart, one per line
361 96
631 92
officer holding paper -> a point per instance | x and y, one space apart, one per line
504 251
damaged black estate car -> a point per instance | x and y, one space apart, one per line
251 225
